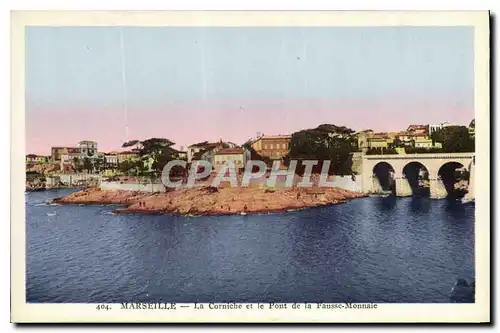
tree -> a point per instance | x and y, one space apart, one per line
77 165
131 167
326 142
99 164
396 143
87 164
454 139
130 143
154 153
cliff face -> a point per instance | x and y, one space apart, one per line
213 201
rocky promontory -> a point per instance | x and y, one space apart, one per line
208 200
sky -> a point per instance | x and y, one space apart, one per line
192 84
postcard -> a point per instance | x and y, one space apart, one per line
199 167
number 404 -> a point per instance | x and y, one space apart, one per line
103 307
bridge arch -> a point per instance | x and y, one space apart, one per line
416 174
383 174
454 178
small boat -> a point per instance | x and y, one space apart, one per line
243 213
51 214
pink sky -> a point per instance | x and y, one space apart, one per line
194 84
46 127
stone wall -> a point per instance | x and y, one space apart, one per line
357 162
71 179
347 183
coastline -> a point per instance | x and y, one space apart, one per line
207 200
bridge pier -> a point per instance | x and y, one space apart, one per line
403 188
376 187
470 190
438 191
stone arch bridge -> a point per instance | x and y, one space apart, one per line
432 162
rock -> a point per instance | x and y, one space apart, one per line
210 200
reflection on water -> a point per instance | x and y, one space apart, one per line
367 250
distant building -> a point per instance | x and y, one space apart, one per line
206 150
436 127
84 149
30 159
111 158
405 138
472 128
362 137
88 149
182 155
425 142
56 152
236 155
67 158
378 141
231 144
36 159
418 129
274 147
128 155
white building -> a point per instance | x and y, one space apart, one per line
88 149
111 159
436 127
236 155
424 142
